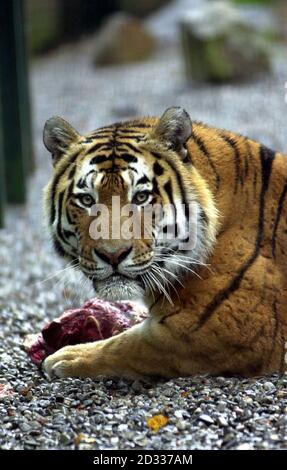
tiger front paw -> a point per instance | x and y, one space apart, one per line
72 361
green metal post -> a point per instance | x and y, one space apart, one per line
23 82
16 130
2 176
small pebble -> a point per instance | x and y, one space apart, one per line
206 418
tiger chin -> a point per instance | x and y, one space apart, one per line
216 286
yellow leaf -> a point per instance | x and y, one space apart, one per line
157 422
79 438
83 438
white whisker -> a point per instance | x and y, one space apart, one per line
165 279
58 273
160 286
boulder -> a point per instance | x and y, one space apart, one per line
123 39
219 45
281 16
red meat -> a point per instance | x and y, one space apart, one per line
96 320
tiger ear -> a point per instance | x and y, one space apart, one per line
174 128
58 135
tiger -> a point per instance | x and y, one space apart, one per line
217 305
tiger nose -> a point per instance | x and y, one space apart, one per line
114 257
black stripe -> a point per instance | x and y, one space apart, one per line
58 247
101 145
61 252
72 172
81 183
125 130
67 234
134 124
248 157
89 173
129 145
155 186
176 230
127 158
89 140
103 158
156 155
61 233
100 159
103 129
55 183
199 142
182 189
238 177
158 169
70 189
136 137
133 169
59 222
266 157
143 180
278 217
168 189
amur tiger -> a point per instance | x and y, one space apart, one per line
218 306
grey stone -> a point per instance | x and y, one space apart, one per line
219 45
269 386
123 39
206 419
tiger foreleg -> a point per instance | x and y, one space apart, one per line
147 349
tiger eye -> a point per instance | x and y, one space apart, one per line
141 197
86 199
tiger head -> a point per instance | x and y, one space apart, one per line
101 198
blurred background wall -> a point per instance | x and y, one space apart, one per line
51 22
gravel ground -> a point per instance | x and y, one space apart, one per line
203 412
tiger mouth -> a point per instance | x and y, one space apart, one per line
119 287
118 279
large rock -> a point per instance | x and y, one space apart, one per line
281 16
123 39
218 44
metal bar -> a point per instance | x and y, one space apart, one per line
16 129
23 83
2 176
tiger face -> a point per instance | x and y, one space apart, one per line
126 205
